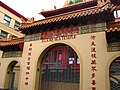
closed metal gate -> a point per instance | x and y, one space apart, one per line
60 69
115 74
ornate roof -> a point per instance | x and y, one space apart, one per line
7 42
113 26
70 8
70 15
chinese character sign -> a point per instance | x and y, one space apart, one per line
27 73
93 63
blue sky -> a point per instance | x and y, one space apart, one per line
31 8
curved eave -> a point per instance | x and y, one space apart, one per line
11 42
70 15
113 26
112 29
70 8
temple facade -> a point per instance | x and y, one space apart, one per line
76 47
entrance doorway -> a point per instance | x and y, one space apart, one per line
60 69
115 74
12 76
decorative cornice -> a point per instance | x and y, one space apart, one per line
113 26
6 42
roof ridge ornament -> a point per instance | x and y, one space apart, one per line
74 14
29 20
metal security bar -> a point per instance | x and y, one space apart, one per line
60 69
115 74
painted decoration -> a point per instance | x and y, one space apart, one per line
12 54
65 33
114 46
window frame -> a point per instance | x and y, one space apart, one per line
17 24
3 34
6 21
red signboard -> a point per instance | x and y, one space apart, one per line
60 34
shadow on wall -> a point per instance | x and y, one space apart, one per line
9 89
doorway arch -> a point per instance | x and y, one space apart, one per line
12 75
114 73
59 68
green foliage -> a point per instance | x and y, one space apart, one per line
74 1
71 2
